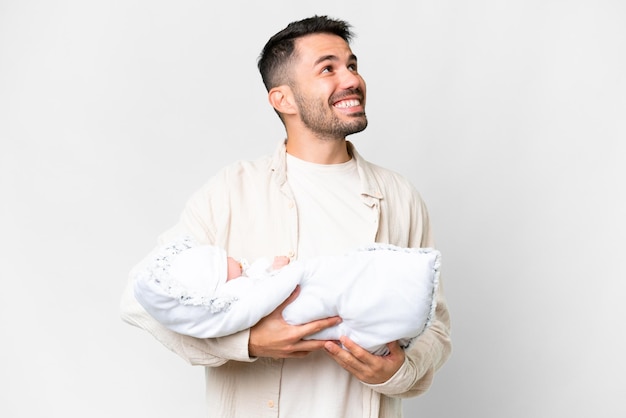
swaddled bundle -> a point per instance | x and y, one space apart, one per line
383 293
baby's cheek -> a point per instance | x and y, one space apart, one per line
234 269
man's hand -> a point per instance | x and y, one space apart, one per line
362 364
273 337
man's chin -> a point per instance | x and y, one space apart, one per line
357 126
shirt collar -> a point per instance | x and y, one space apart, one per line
369 185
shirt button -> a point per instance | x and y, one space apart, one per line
290 254
270 403
291 204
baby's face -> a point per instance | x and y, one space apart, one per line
233 268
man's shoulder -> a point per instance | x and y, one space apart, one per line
386 176
239 175
246 167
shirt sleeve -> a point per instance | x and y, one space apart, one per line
197 221
423 358
206 351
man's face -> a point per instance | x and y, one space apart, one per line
329 92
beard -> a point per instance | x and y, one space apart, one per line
320 118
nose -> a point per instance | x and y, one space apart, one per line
350 79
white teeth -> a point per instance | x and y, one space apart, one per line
348 103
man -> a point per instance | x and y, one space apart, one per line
314 196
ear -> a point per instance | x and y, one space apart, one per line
281 99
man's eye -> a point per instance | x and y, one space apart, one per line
327 69
352 67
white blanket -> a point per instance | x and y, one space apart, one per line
383 293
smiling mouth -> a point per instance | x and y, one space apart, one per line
348 103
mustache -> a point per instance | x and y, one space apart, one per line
347 93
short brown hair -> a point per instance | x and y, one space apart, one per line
279 50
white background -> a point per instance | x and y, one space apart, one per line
508 116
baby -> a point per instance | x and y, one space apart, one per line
383 293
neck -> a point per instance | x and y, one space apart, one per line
319 151
305 145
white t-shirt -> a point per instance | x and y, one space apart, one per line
328 199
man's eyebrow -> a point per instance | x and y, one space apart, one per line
332 58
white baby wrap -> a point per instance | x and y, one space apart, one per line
382 293
183 286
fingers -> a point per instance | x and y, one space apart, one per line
362 364
343 357
316 326
273 337
312 327
352 358
355 349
